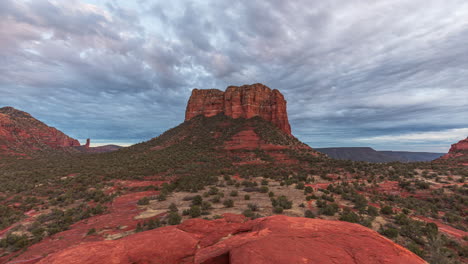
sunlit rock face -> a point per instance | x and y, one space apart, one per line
21 133
235 240
245 101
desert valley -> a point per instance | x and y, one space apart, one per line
230 184
233 132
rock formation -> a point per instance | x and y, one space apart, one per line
21 133
458 153
233 239
244 101
88 143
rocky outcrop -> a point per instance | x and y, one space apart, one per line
88 143
461 146
458 153
233 239
21 133
244 101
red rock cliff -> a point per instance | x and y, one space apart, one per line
458 151
20 133
241 101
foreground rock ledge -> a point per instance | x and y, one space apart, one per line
233 239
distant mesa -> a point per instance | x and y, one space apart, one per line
371 155
245 101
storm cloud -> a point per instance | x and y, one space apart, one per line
386 74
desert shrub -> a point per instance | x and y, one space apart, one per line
173 207
389 232
300 186
143 201
205 206
228 203
248 213
386 210
372 211
282 201
91 231
329 209
195 211
278 210
174 218
253 207
197 200
349 216
309 214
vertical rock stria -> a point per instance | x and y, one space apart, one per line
244 101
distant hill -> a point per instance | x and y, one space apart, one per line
371 155
101 149
407 156
20 134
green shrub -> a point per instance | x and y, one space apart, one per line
91 231
309 214
174 218
278 210
143 201
195 211
228 203
386 210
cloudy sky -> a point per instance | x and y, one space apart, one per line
390 74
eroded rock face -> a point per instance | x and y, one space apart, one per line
241 102
458 152
20 132
462 145
233 239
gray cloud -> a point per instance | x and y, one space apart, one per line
350 70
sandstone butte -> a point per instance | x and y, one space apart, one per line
457 149
19 132
234 239
244 101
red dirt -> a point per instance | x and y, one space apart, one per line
451 231
119 219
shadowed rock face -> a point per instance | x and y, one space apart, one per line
233 239
241 102
22 133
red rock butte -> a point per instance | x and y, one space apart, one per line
245 101
457 150
233 239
